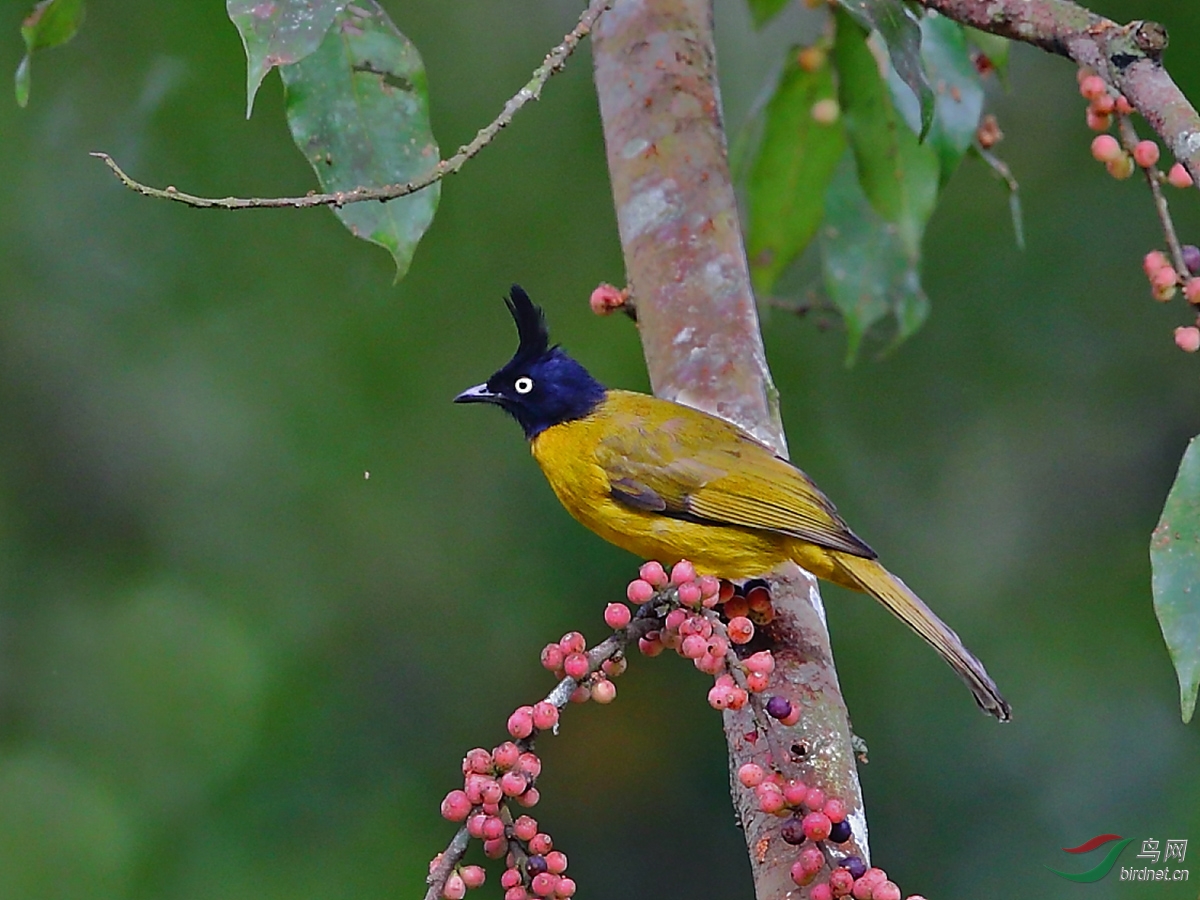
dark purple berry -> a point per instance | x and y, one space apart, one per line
779 707
840 832
536 865
793 830
1191 258
855 866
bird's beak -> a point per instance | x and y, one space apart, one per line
477 394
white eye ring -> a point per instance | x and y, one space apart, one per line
523 385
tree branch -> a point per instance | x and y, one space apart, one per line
1128 57
554 62
656 79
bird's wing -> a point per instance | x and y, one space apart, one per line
706 470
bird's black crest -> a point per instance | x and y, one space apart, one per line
531 326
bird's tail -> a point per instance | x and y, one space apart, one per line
868 575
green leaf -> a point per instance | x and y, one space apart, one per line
278 33
765 10
902 36
1175 576
49 24
867 270
899 175
358 107
797 157
959 91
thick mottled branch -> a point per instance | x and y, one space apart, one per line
686 264
554 62
1128 57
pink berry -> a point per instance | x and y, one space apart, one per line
771 801
862 889
793 717
576 665
885 890
1092 86
491 791
454 888
516 893
477 760
682 572
718 646
543 885
566 887
874 876
520 723
735 606
738 698
1164 278
525 827
572 642
821 891
473 876
710 587
799 875
606 299
552 657
1153 261
835 809
475 825
794 792
1105 147
495 849
510 878
693 647
1187 338
541 844
604 691
750 774
456 807
757 682
762 661
649 647
675 618
490 809
654 573
493 828
710 664
812 860
1104 104
814 799
1124 107
505 755
556 862
1179 176
513 783
740 629
639 591
1098 121
689 594
718 697
817 826
1191 290
1145 154
545 715
841 881
617 615
530 798
529 763
581 694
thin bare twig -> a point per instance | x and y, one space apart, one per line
1154 178
555 62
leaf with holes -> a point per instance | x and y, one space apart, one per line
277 33
958 91
796 158
358 107
867 271
902 35
1175 576
899 175
49 24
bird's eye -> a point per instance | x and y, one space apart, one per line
523 385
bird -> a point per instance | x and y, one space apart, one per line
668 482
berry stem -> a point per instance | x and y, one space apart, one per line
1154 178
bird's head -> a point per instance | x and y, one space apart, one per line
540 386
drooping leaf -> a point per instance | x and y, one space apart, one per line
898 174
765 10
867 270
49 24
901 35
1175 568
278 32
358 108
796 159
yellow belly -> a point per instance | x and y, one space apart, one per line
564 454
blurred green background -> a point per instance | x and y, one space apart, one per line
232 666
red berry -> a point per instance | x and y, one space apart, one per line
718 697
606 299
756 682
540 844
1104 104
799 875
840 880
737 698
1179 176
576 665
770 798
545 715
543 885
552 657
862 889
473 876
885 890
794 792
566 887
510 878
821 891
817 826
740 629
1124 107
1145 154
736 606
835 809
493 828
505 755
477 760
1105 147
812 859
814 799
495 849
529 763
525 827
793 717
750 774
1187 338
1191 290
454 888
639 591
604 691
520 723
514 784
556 862
475 825
572 642
617 615
456 807
529 798
516 893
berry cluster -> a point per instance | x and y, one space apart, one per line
567 659
1164 278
